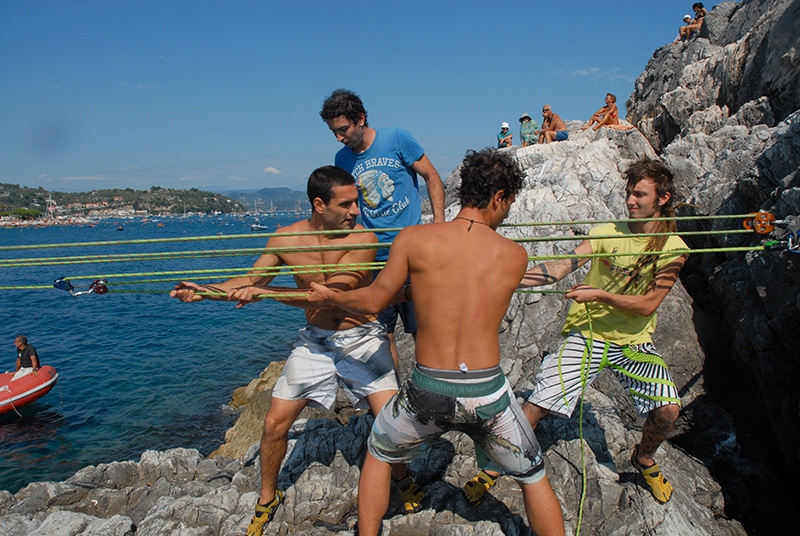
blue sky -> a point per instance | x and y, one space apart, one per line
226 95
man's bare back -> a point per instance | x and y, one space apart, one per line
462 277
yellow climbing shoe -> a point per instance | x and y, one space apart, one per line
475 489
655 479
411 494
264 515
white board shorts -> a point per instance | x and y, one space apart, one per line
358 358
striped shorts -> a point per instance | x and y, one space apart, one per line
640 369
478 403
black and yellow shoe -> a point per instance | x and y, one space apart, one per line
411 494
264 515
654 478
475 489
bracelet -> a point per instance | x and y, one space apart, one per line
408 292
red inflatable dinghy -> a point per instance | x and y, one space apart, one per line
24 390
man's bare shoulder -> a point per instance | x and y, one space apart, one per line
515 250
286 234
362 236
415 231
427 233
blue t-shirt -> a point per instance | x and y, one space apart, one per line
388 188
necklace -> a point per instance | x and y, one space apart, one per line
471 222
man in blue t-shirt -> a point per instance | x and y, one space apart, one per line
385 163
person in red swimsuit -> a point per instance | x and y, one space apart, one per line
607 116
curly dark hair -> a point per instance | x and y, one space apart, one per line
346 103
485 173
322 181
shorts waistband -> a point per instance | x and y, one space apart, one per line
447 382
366 327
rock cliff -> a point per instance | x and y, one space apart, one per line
723 113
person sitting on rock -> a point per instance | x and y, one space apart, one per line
687 19
527 130
607 116
553 127
335 345
504 137
685 32
611 321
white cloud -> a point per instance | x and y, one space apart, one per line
269 170
586 72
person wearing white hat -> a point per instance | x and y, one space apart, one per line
696 25
687 20
527 130
504 137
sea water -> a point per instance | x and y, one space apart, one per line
137 371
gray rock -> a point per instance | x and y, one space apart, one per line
722 111
18 524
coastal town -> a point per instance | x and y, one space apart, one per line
36 207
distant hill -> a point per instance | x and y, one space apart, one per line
271 199
156 200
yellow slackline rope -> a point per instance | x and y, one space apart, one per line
305 269
376 265
346 231
262 271
139 241
226 273
64 261
629 220
168 255
585 367
392 229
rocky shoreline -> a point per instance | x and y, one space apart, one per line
723 113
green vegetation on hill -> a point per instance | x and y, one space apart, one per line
156 200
